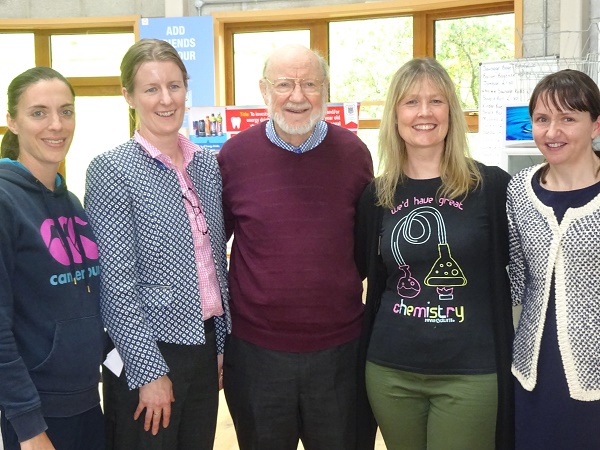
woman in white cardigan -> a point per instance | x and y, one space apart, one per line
554 228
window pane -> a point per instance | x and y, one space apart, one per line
249 53
18 56
458 47
371 139
94 135
371 111
363 55
89 55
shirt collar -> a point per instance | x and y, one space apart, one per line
314 139
188 148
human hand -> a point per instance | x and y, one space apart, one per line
39 442
156 397
220 370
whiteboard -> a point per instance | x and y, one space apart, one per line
503 83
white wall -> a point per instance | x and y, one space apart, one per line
205 7
27 9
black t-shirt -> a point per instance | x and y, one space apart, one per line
435 314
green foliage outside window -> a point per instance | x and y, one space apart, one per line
462 44
363 55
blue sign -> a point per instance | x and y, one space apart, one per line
193 39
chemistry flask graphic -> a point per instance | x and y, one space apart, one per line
445 273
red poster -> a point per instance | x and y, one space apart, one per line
242 118
344 115
239 119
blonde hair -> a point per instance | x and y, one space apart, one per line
459 172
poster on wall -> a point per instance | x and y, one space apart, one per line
211 126
192 37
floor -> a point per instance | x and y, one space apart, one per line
225 438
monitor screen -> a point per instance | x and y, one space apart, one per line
518 130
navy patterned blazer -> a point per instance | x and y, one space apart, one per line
149 281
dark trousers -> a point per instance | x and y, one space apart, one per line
193 374
276 398
84 431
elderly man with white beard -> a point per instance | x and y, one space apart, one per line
290 188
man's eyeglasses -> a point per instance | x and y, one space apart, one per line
191 199
287 85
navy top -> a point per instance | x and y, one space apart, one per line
548 417
51 334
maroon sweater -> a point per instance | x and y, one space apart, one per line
293 282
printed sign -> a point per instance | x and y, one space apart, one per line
192 37
211 126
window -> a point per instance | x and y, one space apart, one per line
363 56
102 124
18 48
89 55
458 46
345 35
88 52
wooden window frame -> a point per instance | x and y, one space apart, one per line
316 20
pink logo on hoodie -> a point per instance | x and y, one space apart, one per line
56 246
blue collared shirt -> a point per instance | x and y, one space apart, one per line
314 139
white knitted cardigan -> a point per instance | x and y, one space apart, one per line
539 247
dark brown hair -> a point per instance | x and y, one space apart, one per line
10 142
566 90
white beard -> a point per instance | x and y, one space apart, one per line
306 128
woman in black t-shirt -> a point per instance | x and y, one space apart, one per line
432 241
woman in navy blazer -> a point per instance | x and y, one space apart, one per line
155 204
